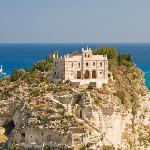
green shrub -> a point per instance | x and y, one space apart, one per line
35 92
18 74
126 63
108 147
121 95
59 82
17 148
145 140
111 53
51 87
114 58
135 106
47 147
124 59
96 101
83 147
42 66
32 148
90 87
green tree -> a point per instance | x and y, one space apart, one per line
42 66
114 58
17 148
108 147
18 74
112 55
47 147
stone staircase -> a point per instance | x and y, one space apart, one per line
87 122
83 120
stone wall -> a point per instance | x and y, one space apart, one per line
38 136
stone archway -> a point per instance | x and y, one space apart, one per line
94 74
9 126
87 74
78 74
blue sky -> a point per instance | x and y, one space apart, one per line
74 21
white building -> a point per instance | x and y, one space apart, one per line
81 68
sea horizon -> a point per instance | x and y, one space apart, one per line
23 55
74 42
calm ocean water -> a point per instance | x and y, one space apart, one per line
13 56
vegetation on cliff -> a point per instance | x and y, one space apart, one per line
115 58
129 79
30 83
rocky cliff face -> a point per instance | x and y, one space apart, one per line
116 116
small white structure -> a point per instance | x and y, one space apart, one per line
81 69
1 71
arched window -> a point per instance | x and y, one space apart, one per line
78 74
88 55
78 64
101 64
87 74
87 64
85 55
93 63
94 74
72 65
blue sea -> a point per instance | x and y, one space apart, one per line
13 56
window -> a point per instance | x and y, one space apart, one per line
101 64
86 74
54 75
94 74
88 55
85 55
78 64
109 75
23 135
78 74
100 72
72 65
87 64
93 63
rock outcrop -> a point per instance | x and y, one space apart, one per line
36 112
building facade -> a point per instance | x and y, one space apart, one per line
81 68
